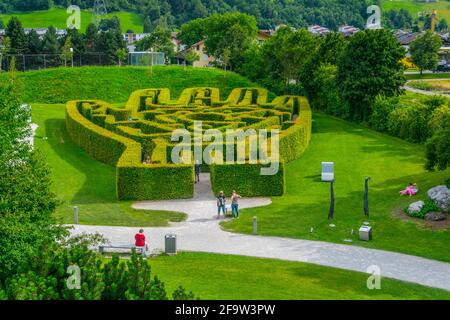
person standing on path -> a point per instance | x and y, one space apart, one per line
221 204
140 242
197 171
235 204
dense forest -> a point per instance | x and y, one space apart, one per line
268 13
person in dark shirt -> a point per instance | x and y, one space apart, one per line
221 204
197 171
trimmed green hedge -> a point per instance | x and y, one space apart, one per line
135 181
118 136
247 180
155 182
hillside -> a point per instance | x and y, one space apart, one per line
114 84
57 17
174 13
414 7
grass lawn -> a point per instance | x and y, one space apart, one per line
414 7
57 17
437 86
357 152
213 276
115 84
79 180
439 75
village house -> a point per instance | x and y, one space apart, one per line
348 31
318 30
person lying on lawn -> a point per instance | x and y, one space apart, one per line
410 190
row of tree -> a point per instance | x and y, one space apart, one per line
173 13
106 38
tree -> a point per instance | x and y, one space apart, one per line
284 55
121 55
231 33
4 50
438 148
159 40
16 34
67 50
424 51
442 25
91 37
318 76
192 32
148 27
370 66
34 45
189 57
50 42
26 202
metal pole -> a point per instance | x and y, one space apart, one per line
255 226
75 214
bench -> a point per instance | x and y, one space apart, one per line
101 249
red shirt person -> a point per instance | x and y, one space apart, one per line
140 241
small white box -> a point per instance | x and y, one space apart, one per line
365 233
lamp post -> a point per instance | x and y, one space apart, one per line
151 66
71 54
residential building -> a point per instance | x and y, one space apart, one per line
318 30
348 31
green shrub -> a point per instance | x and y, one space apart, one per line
381 110
156 182
438 148
410 123
247 180
429 206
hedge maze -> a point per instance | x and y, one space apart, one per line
122 137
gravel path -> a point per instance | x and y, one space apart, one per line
201 233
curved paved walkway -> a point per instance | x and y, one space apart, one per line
201 232
428 93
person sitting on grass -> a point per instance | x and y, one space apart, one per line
410 190
140 243
221 204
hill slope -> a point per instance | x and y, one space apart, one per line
414 7
57 17
114 84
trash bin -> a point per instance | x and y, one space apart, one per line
171 244
365 233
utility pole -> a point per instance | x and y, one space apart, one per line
99 10
433 20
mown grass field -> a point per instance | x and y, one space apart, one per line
357 152
217 277
57 17
414 7
114 84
